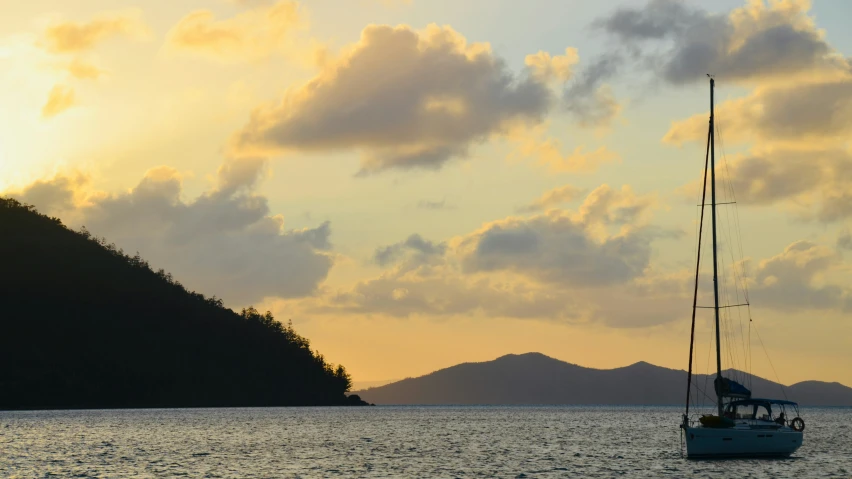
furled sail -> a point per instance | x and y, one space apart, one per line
731 389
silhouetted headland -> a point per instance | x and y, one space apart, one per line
86 326
534 378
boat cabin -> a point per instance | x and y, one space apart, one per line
761 410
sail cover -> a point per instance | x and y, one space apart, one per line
731 389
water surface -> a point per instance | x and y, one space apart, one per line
486 441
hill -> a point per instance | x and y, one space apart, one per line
534 378
86 326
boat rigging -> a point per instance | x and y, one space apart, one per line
743 426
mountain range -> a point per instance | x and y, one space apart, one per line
534 378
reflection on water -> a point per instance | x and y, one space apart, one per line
390 442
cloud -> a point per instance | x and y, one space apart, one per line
758 42
793 280
795 114
547 151
82 70
239 173
573 249
252 35
441 291
405 99
554 197
56 195
657 20
589 99
422 250
67 38
789 281
605 205
59 99
444 292
72 37
817 181
223 243
577 161
796 118
555 249
812 183
844 240
564 266
556 68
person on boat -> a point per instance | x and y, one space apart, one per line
781 419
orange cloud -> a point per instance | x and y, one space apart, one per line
558 68
608 206
794 279
811 182
53 196
796 114
556 196
72 37
60 99
559 265
548 151
578 160
404 98
798 119
83 71
251 35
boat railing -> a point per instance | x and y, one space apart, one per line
694 420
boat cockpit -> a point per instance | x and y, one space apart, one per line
764 413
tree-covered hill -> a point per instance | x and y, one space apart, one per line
83 325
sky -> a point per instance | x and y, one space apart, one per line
419 183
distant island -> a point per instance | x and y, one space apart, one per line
534 378
85 325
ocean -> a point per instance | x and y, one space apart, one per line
391 441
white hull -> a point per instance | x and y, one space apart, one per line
741 442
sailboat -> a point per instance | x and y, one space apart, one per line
744 426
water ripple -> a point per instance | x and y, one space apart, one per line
527 442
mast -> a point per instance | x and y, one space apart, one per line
697 271
719 388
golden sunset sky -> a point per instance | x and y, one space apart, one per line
426 182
